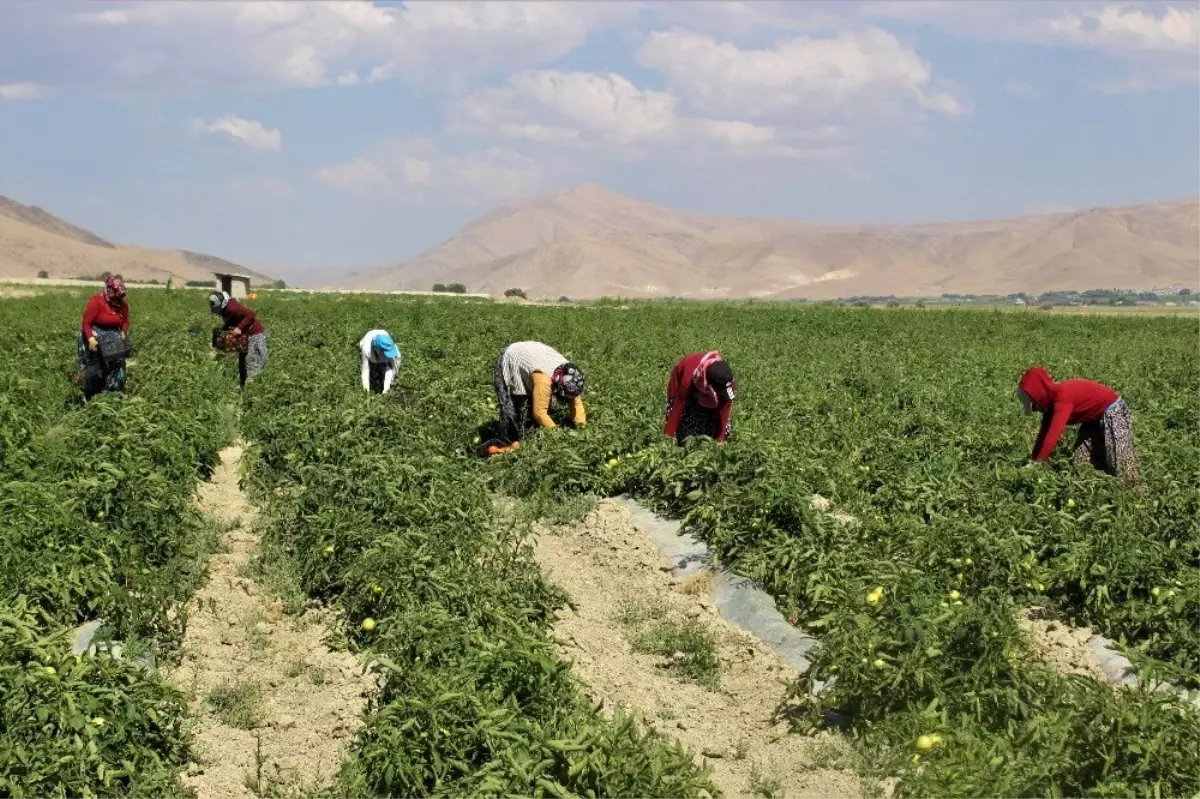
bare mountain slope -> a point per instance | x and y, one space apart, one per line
591 242
33 241
32 215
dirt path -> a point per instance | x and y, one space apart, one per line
608 567
274 708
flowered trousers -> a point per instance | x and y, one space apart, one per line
515 416
1107 443
97 375
252 361
697 420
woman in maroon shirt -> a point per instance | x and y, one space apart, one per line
700 398
105 318
243 322
1105 426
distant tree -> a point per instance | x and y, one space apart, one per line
893 304
275 284
1182 292
202 284
439 287
456 288
43 274
920 303
516 293
564 298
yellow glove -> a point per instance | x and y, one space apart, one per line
92 343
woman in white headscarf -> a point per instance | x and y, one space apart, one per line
380 360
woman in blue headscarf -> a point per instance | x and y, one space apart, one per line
380 360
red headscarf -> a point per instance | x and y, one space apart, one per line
114 291
705 394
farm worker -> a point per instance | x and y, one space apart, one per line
700 397
380 360
106 318
1105 426
526 376
243 322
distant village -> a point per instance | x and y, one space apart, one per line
1170 296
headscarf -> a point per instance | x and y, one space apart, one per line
114 291
567 381
1039 385
383 344
713 381
218 300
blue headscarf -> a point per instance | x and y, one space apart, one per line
384 345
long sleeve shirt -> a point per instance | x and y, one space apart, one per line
99 313
679 389
237 315
1075 401
369 356
527 367
542 394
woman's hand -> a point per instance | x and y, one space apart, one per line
237 330
92 343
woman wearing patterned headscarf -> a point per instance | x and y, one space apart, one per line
243 322
526 376
700 397
105 319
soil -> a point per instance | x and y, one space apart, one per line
1061 647
312 698
604 560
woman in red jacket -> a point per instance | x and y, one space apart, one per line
700 398
1105 426
105 318
243 322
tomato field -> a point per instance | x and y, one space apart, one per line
905 419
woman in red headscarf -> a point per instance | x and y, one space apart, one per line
700 397
1105 437
102 333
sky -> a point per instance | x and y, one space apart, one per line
351 133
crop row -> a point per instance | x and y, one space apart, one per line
374 514
96 523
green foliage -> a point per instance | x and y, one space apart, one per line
96 522
43 274
381 514
201 284
515 293
453 288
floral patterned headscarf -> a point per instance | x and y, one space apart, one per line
114 291
567 381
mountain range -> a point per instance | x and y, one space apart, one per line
591 242
33 240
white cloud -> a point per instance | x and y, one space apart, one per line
1121 28
802 76
182 46
21 91
1023 90
415 171
1156 44
551 106
248 132
756 112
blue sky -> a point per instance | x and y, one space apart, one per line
352 134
